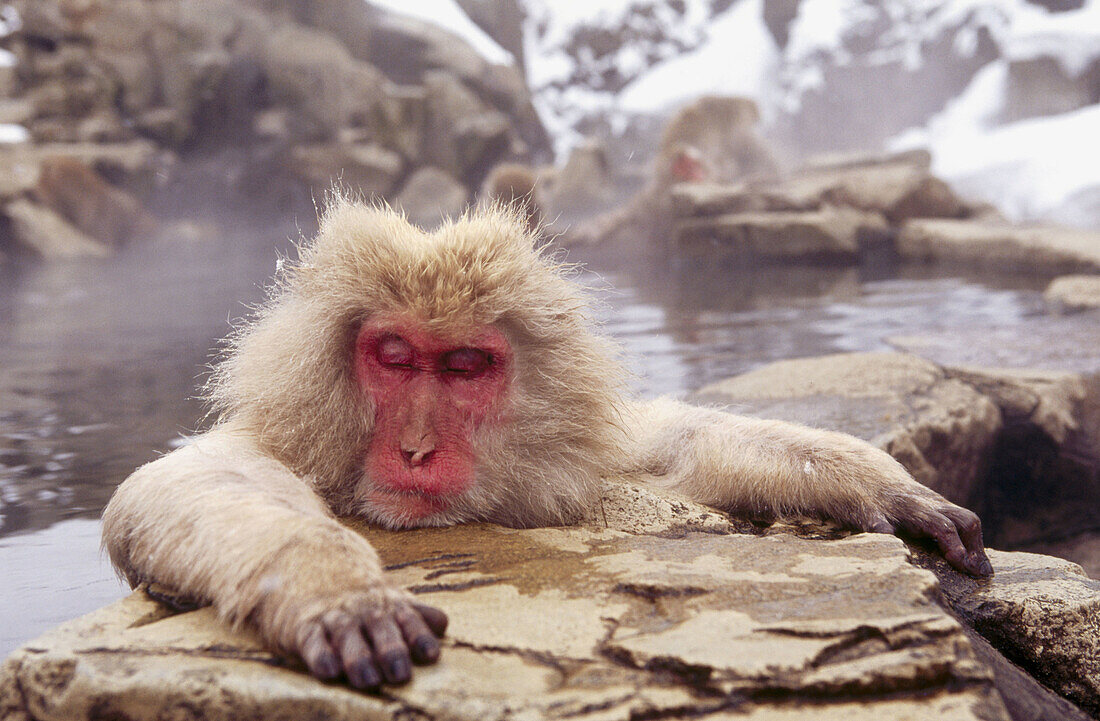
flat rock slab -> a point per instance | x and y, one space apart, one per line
585 622
828 233
1041 612
1071 293
1032 249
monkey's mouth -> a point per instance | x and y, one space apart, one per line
406 507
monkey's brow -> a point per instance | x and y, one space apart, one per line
429 559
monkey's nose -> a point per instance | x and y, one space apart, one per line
418 456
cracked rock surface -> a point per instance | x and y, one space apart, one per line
1021 446
592 622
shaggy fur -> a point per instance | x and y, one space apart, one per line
245 517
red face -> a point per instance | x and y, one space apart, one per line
687 167
430 394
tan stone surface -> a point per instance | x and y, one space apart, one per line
1074 292
1025 248
830 232
1041 612
587 622
47 235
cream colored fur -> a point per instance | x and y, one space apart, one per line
245 517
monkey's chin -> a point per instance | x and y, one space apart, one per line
396 509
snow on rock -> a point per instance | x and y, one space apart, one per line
448 14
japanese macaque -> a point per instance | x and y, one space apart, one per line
711 139
424 379
722 130
517 185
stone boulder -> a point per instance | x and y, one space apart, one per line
830 233
1048 249
367 168
1071 293
1042 613
653 607
430 196
40 231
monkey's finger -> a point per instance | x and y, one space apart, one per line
390 652
358 660
437 620
316 652
880 524
970 530
942 530
420 639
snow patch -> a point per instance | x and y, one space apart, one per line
736 59
11 134
449 15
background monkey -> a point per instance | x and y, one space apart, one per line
712 139
422 379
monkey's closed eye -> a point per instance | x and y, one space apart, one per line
395 351
467 361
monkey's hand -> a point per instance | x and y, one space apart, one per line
912 509
219 521
370 637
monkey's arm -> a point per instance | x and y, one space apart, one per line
221 522
774 468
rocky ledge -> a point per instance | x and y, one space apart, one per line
654 608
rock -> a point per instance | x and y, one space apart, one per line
137 166
1043 613
1073 293
430 196
1030 249
1083 549
364 168
16 111
1041 85
47 235
584 184
690 200
829 233
86 200
600 624
900 187
939 428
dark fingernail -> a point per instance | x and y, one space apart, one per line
325 666
363 674
397 668
426 650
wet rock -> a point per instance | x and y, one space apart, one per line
86 200
362 168
940 428
582 622
584 184
1043 613
1073 293
1032 249
42 232
1042 85
900 187
691 200
431 195
829 233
